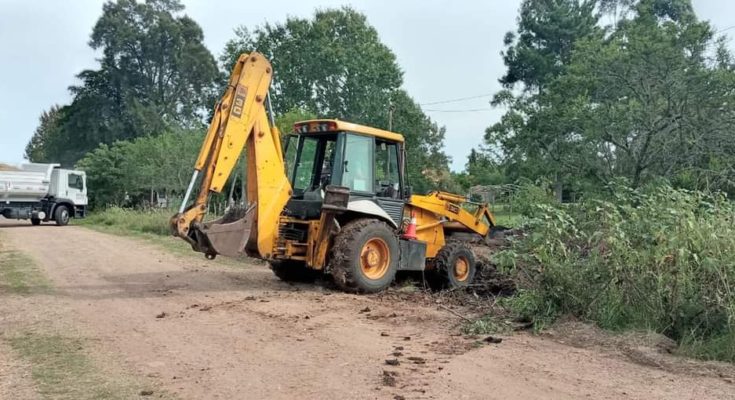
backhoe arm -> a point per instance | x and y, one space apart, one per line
240 121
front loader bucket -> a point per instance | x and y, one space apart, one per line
227 236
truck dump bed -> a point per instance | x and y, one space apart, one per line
28 183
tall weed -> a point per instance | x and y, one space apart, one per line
661 259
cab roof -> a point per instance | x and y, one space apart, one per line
337 125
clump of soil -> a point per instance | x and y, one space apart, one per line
488 280
389 378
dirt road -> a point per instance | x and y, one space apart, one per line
200 330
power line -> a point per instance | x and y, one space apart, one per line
457 99
460 111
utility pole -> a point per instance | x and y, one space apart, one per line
390 114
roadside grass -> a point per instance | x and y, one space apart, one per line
19 274
149 225
62 369
153 221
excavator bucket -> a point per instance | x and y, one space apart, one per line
228 235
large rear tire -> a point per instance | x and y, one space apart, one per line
61 215
455 265
364 256
293 271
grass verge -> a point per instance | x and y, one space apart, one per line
19 274
61 368
135 221
149 225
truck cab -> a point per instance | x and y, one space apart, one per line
70 187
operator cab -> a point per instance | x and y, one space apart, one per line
366 160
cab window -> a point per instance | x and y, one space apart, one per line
312 165
76 181
387 182
357 173
305 167
289 159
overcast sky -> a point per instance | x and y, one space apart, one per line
447 49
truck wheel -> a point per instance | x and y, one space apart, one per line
455 265
293 271
61 215
35 221
364 257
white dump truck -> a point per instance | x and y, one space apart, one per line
42 192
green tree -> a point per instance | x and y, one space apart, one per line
535 56
543 44
333 63
481 169
286 121
140 167
335 66
48 122
155 57
155 75
648 100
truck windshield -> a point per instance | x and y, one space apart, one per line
313 161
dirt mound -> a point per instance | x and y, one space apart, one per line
649 349
490 281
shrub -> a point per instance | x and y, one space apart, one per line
660 259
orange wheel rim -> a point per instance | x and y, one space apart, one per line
375 258
461 269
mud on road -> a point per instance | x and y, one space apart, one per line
202 330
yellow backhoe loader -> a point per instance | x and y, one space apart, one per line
334 201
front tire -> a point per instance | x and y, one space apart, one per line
364 257
455 264
61 215
35 221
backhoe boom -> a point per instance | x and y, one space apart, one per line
240 121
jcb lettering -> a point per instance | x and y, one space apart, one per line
452 208
239 103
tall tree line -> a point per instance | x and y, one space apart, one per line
156 78
335 65
646 97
